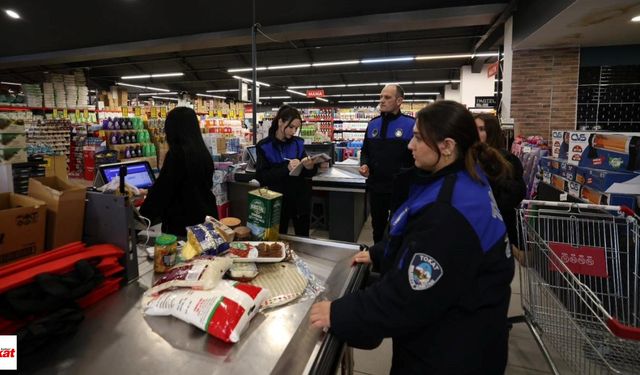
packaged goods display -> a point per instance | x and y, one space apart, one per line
202 273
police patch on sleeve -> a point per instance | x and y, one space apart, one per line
424 272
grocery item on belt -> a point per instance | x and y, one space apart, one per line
243 272
200 273
223 312
283 280
226 232
205 239
261 252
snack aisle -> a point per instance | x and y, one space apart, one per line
116 338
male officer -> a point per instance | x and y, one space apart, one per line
384 153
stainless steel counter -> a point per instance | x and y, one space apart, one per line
116 338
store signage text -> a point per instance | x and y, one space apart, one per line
315 93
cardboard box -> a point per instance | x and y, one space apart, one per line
13 155
578 146
13 140
569 171
559 183
11 126
574 189
551 164
56 166
263 217
22 225
610 160
597 197
560 143
601 179
65 209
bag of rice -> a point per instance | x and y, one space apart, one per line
223 312
199 273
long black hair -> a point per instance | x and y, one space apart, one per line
287 114
186 143
449 119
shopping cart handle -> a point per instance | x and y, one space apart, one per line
623 331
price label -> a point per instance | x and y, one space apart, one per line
163 112
232 114
241 115
210 113
77 115
65 114
55 113
125 111
86 113
138 112
526 149
154 112
220 113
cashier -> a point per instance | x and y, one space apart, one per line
182 196
445 260
278 154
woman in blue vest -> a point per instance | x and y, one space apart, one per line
445 261
280 153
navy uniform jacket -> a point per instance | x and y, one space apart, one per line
445 290
272 171
385 149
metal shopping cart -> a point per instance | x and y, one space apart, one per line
581 284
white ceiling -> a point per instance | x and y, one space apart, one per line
588 23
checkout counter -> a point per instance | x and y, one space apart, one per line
116 338
346 191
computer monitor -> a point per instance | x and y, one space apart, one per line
139 174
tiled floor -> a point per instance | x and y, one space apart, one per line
524 355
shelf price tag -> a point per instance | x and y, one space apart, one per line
55 113
137 111
163 112
210 113
220 113
232 114
125 111
241 115
77 115
65 114
86 113
154 112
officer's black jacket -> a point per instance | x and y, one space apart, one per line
458 324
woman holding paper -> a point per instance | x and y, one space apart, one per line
278 168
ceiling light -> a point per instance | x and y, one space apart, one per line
12 13
292 66
357 101
223 90
250 81
211 96
636 19
162 75
420 100
142 87
322 100
307 102
362 84
319 86
444 57
486 54
432 82
157 93
389 59
11 83
347 62
422 93
303 87
165 98
296 92
136 77
275 97
397 83
245 69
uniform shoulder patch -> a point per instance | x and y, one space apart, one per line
424 271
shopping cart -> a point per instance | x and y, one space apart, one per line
580 284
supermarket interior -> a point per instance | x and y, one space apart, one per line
212 187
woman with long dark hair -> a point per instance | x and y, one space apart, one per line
182 196
509 192
445 261
278 154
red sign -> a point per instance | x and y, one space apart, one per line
315 93
493 69
581 260
248 108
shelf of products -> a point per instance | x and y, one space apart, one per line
49 137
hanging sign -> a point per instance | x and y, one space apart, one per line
493 69
485 102
315 93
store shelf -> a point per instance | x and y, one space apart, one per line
349 130
354 120
4 108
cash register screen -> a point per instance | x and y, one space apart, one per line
139 174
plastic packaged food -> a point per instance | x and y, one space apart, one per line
199 273
243 272
206 240
165 253
223 312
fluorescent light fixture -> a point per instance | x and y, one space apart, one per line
11 83
164 98
422 93
275 97
238 70
346 62
307 102
397 83
362 84
251 81
160 75
322 100
387 59
12 13
436 82
157 93
486 54
343 85
291 66
444 57
296 92
636 19
211 96
357 101
136 77
142 87
223 90
303 87
420 100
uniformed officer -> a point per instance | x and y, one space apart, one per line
446 260
384 153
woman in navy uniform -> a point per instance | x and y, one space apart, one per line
446 261
278 154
